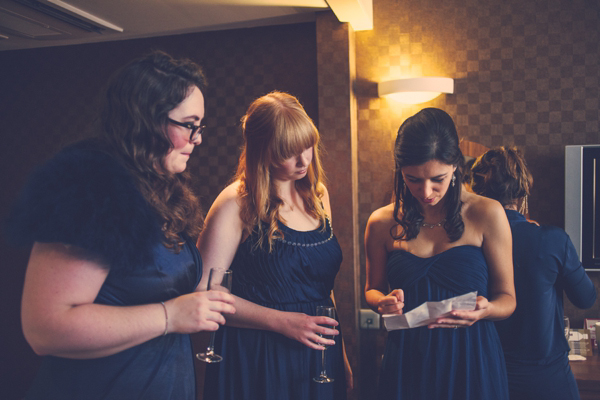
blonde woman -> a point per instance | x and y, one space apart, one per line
272 227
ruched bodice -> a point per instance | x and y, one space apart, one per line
301 268
296 276
438 277
442 363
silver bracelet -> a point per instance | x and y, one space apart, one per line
166 318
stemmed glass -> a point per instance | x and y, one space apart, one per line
218 279
567 327
327 312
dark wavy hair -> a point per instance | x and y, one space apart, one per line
134 122
428 135
502 174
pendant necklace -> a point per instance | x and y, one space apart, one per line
431 226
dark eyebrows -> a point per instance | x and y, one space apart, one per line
441 176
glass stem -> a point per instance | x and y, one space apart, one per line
323 373
211 344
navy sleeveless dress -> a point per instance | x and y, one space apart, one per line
84 197
442 363
296 276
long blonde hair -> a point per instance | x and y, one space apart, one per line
276 128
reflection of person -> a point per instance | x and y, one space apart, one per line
437 241
272 227
545 263
467 174
109 294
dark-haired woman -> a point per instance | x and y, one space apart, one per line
437 241
111 290
546 264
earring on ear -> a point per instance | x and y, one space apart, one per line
524 209
453 180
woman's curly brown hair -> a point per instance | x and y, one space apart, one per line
134 123
502 174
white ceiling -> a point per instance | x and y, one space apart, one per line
22 27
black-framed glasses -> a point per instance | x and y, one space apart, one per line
197 130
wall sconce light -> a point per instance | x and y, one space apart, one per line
415 90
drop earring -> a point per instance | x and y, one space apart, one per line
453 180
524 208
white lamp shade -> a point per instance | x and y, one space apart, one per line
416 90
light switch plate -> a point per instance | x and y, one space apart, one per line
369 319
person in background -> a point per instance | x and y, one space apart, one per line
272 227
467 174
433 242
111 290
546 264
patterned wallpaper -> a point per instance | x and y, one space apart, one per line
526 74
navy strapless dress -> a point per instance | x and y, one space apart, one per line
422 363
297 276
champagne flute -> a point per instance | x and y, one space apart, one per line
218 279
327 312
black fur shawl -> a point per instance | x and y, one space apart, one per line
85 197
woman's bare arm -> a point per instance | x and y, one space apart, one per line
60 318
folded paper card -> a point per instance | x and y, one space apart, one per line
429 311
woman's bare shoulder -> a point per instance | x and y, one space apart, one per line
228 199
480 208
383 217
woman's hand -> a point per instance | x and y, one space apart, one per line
198 311
463 318
393 303
306 329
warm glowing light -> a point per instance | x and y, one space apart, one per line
358 13
416 90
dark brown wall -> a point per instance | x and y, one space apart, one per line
526 74
48 97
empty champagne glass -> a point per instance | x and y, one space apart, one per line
327 312
218 279
567 326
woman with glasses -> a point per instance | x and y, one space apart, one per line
546 264
436 241
111 291
272 227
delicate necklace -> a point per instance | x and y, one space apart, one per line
431 226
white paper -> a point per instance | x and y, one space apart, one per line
429 311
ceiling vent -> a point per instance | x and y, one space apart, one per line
49 20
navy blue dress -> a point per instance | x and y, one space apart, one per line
441 363
535 348
84 197
297 276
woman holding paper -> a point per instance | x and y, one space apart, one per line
434 242
546 263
